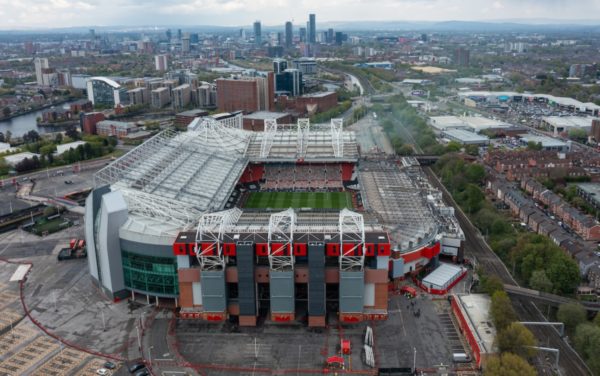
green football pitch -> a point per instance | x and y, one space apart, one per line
314 200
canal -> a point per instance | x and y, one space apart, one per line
22 124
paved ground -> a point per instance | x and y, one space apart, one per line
370 136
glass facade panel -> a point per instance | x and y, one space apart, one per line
154 275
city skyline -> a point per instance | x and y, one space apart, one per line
75 13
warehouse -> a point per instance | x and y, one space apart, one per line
442 123
547 143
465 137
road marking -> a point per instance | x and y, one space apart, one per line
401 318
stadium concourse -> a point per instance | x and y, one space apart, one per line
287 225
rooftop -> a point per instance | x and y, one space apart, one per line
261 115
547 142
466 136
476 308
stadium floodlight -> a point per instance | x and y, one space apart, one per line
337 137
281 237
268 137
352 240
209 235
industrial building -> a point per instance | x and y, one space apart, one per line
560 124
465 137
547 143
169 220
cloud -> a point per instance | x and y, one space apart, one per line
60 13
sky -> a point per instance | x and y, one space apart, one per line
28 14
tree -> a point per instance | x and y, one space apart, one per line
453 147
501 310
72 132
491 284
6 111
2 137
4 167
516 339
58 139
472 150
31 136
475 173
539 281
571 314
473 198
532 145
405 150
508 364
578 134
587 343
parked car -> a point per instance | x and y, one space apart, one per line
110 365
102 371
136 367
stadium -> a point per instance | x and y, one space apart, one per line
285 225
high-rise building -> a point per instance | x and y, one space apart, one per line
40 63
280 38
246 94
185 44
257 34
160 97
161 62
461 57
312 28
179 34
330 36
168 34
279 65
182 95
92 34
302 34
340 37
289 36
194 38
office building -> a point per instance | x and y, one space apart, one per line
279 65
289 34
275 51
462 57
103 91
289 82
305 65
330 36
312 28
181 95
340 38
246 94
114 128
161 63
257 34
40 63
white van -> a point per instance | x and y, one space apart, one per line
460 358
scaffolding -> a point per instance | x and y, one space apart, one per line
209 235
280 238
352 240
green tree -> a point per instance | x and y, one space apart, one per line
6 111
501 310
475 173
531 145
587 343
453 147
508 364
490 284
4 167
472 150
571 314
405 150
473 198
516 339
578 134
539 281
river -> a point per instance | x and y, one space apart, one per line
22 124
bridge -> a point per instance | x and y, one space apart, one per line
549 298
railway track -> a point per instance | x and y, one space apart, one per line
477 249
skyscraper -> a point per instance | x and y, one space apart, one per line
40 64
289 36
257 34
302 33
312 28
179 34
462 56
185 44
168 34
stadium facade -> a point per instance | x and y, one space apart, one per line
167 220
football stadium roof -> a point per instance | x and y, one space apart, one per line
177 176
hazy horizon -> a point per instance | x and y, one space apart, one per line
31 14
